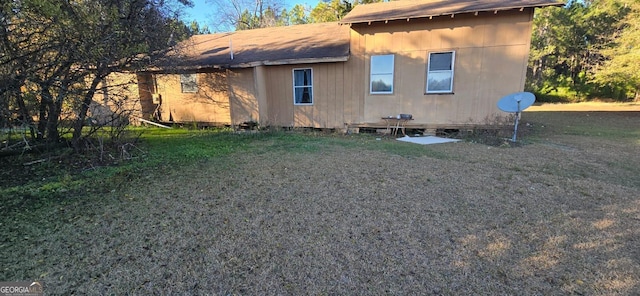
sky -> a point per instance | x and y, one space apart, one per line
201 11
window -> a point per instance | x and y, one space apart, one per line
302 86
188 83
381 74
440 72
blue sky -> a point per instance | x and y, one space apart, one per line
201 11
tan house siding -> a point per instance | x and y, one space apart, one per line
147 88
359 79
333 93
221 96
243 96
260 83
209 104
116 100
489 50
279 85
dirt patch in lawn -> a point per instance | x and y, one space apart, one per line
560 215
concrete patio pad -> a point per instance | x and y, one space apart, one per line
427 140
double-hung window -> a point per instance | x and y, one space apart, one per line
440 72
381 81
303 86
188 83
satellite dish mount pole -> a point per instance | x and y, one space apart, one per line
516 103
515 126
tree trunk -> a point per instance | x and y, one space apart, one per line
53 110
82 113
42 119
24 114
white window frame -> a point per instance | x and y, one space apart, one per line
372 74
452 73
189 83
309 85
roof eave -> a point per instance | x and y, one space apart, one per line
476 11
307 61
291 62
232 65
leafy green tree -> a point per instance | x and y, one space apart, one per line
270 18
247 21
621 69
326 11
569 46
283 19
298 15
252 14
56 54
557 47
196 29
334 10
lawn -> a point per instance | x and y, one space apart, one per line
201 212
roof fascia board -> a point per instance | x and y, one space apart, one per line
291 62
253 64
183 69
306 61
431 16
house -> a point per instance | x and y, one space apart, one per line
445 62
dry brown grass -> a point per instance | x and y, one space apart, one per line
587 107
558 216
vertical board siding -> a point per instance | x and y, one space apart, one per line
279 80
117 97
242 96
210 104
491 54
337 119
332 105
490 62
146 88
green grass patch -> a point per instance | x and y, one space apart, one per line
159 151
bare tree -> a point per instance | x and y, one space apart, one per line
245 14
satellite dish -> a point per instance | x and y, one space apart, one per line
516 103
